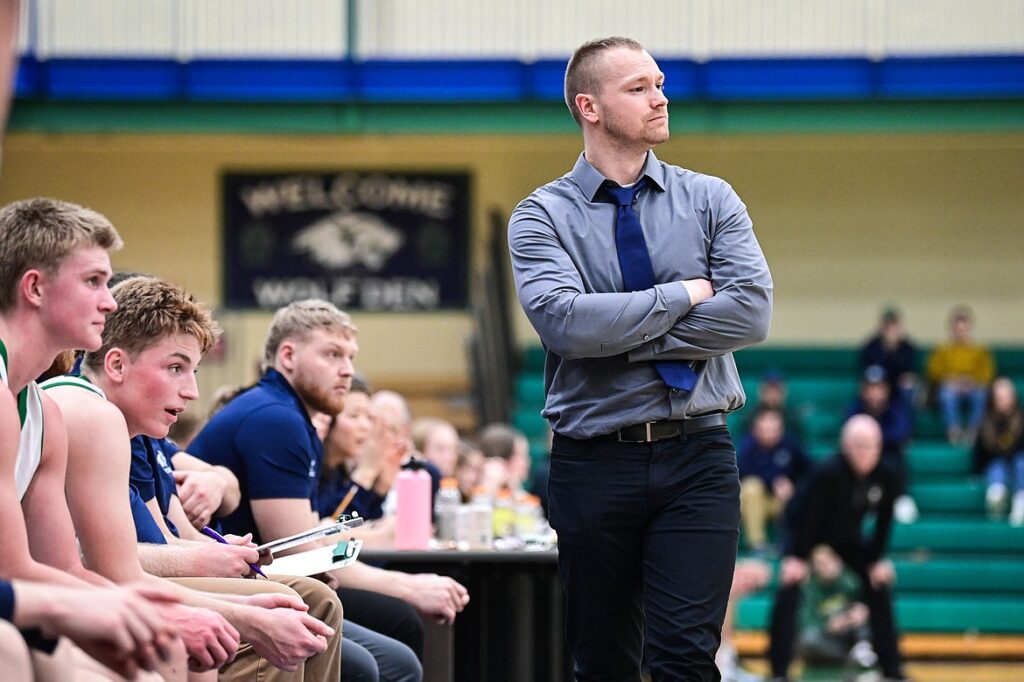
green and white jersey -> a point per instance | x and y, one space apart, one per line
69 380
30 413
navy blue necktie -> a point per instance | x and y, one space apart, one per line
638 271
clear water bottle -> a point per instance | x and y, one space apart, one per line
483 520
446 507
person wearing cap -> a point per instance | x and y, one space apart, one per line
771 394
891 349
771 466
894 415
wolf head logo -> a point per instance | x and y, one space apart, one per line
344 239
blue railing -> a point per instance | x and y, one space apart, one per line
505 51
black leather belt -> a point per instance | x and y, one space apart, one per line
654 431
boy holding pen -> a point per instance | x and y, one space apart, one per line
137 382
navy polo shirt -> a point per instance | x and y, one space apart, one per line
265 437
146 529
6 600
152 473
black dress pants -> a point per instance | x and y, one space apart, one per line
647 536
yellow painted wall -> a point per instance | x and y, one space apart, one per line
848 222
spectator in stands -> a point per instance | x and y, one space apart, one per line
891 349
506 459
772 394
999 451
893 413
830 509
959 373
438 443
833 621
770 467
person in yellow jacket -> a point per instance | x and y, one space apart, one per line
960 372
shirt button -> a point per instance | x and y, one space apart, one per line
646 337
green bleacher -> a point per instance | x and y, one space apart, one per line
958 571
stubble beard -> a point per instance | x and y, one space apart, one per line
625 137
316 397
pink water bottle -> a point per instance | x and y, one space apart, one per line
412 516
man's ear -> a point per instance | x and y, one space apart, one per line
286 356
589 109
31 285
115 363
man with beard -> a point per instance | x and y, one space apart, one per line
265 436
641 279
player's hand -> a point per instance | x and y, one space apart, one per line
216 560
286 637
277 600
210 640
201 493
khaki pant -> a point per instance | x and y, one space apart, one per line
323 605
757 507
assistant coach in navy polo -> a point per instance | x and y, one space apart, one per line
641 279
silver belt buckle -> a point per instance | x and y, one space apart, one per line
648 425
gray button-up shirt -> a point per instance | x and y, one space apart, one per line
600 340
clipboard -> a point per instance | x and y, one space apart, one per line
310 535
318 560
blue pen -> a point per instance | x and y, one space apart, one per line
220 538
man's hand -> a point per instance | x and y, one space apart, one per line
793 571
216 560
201 494
285 636
276 600
882 573
266 556
782 488
121 628
699 290
436 596
210 640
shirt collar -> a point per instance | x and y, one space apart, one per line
590 179
277 383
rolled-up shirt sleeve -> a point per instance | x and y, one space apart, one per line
570 321
739 314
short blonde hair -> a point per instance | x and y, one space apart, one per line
42 234
298 319
149 310
580 73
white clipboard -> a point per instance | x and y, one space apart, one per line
315 561
310 535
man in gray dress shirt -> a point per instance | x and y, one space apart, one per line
643 485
